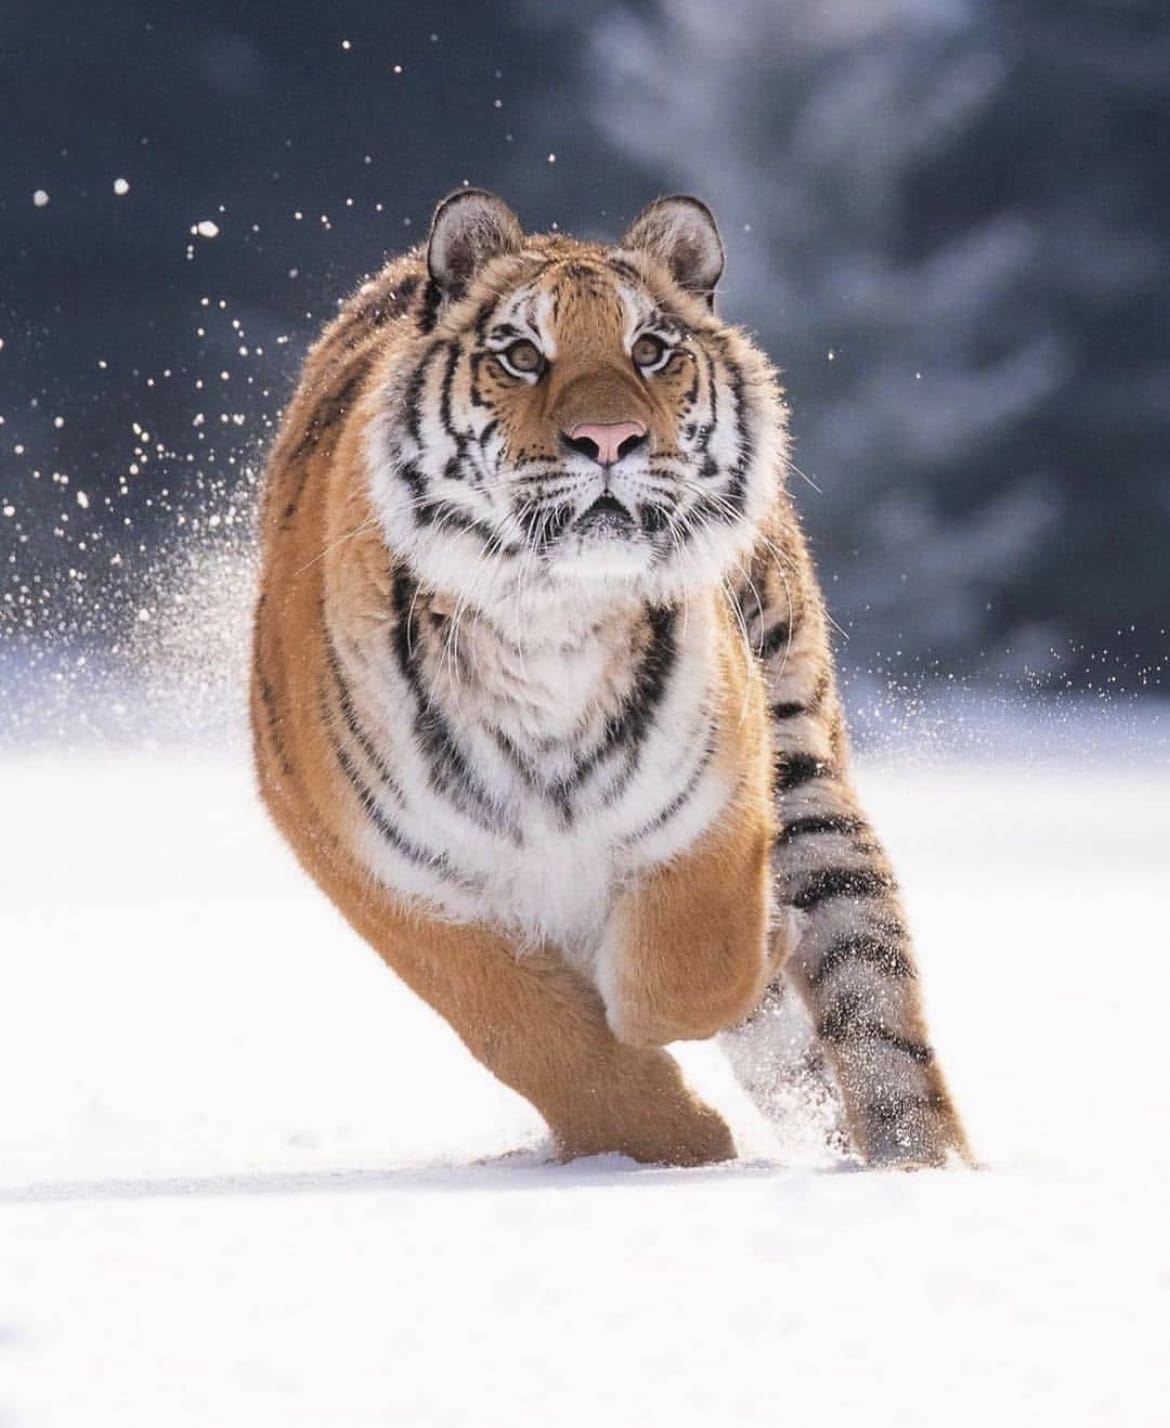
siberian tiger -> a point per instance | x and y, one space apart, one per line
543 696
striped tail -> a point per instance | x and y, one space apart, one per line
852 963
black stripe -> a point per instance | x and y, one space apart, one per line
828 883
543 522
476 361
680 800
272 717
845 1023
820 690
353 723
819 823
789 710
428 513
482 313
892 1109
624 730
793 770
410 850
653 517
410 472
448 771
749 589
331 409
628 730
736 494
625 270
881 953
432 300
379 307
412 402
272 720
448 382
776 638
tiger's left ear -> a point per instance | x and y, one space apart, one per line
680 232
470 227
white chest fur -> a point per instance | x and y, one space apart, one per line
555 794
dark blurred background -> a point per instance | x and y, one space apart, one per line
948 221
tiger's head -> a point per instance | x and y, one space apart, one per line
572 417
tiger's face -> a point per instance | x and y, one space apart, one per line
578 419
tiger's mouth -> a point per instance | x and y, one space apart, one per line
606 516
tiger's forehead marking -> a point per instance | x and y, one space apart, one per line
556 299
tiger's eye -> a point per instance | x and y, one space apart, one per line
648 350
524 356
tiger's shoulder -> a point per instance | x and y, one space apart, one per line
335 373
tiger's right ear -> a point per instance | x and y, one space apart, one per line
681 233
469 228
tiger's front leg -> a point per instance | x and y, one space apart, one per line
688 950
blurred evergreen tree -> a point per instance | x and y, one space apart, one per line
948 222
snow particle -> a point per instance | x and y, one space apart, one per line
205 228
552 158
83 500
121 187
40 198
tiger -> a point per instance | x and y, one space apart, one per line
543 696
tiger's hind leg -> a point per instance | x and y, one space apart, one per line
854 971
778 1059
853 966
852 962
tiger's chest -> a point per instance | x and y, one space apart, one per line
523 786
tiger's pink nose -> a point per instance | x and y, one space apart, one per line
606 442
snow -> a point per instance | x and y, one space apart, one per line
246 1178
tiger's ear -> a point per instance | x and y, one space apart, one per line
469 228
680 232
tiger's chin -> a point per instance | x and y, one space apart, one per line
599 554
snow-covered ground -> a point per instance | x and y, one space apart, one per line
247 1179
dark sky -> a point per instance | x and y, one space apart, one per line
317 140
264 119
143 363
